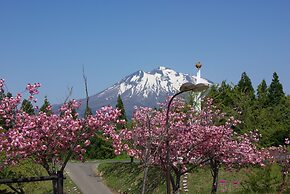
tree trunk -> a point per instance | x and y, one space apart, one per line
60 182
57 184
145 179
214 172
176 185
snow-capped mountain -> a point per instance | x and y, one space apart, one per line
142 89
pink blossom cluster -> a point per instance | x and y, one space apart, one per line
33 90
191 139
194 137
48 138
1 83
8 108
281 156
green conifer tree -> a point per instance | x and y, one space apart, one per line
43 108
245 86
9 95
262 93
276 120
3 95
276 94
120 106
27 107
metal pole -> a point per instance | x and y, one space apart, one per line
184 88
168 189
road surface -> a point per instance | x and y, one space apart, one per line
85 177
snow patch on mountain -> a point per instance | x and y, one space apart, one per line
142 89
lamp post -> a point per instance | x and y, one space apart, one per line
184 88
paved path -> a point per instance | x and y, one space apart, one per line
85 177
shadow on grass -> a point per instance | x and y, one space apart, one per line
128 177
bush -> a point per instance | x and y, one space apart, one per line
99 149
262 180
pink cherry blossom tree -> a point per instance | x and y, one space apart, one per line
195 138
49 139
8 109
147 140
222 146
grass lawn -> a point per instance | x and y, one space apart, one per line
127 178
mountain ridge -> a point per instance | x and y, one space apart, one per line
141 89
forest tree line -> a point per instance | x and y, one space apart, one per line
266 109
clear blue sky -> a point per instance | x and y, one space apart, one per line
49 41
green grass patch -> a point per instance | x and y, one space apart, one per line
122 157
127 178
29 169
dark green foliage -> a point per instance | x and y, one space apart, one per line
262 94
262 180
244 105
273 123
100 148
44 107
268 111
120 106
276 94
230 100
27 107
9 95
223 96
278 113
245 86
288 101
2 94
244 98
